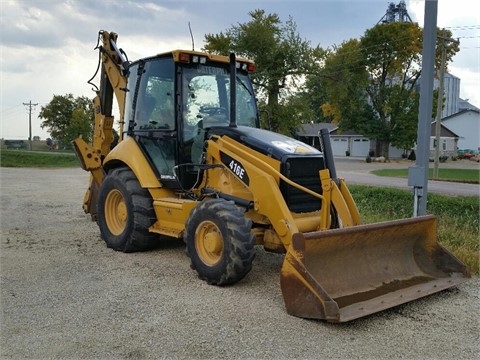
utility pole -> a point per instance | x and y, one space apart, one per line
30 105
418 174
438 124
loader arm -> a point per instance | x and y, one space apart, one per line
268 200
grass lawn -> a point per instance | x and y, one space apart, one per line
23 158
471 176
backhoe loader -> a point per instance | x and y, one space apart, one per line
192 163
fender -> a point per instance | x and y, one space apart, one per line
129 153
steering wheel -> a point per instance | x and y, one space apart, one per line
212 110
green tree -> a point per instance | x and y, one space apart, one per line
392 58
282 59
313 95
371 84
344 80
66 117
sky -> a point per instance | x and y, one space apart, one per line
47 46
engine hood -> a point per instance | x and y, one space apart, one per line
266 142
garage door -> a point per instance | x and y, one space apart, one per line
360 147
339 145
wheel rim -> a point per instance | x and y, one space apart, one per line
209 243
115 212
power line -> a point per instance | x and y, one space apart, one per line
468 37
375 47
464 27
30 105
10 108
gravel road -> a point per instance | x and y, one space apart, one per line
65 295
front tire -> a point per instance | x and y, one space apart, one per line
219 242
125 212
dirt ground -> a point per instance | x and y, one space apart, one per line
65 295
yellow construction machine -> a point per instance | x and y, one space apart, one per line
191 162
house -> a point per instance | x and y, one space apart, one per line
350 143
466 124
448 141
343 144
346 143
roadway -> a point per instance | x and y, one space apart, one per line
357 171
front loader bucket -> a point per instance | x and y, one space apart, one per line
344 274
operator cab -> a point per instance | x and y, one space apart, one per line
172 100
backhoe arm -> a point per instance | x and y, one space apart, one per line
113 81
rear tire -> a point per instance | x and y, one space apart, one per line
219 242
125 212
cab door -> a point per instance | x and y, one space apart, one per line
152 115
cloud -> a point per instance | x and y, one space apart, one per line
25 25
449 13
51 24
469 84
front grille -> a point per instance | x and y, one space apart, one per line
303 171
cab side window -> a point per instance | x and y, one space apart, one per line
129 97
155 105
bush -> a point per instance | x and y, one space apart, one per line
412 156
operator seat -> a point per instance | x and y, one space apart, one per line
144 111
198 143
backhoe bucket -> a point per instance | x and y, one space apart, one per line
344 274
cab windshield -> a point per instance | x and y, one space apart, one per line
206 97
